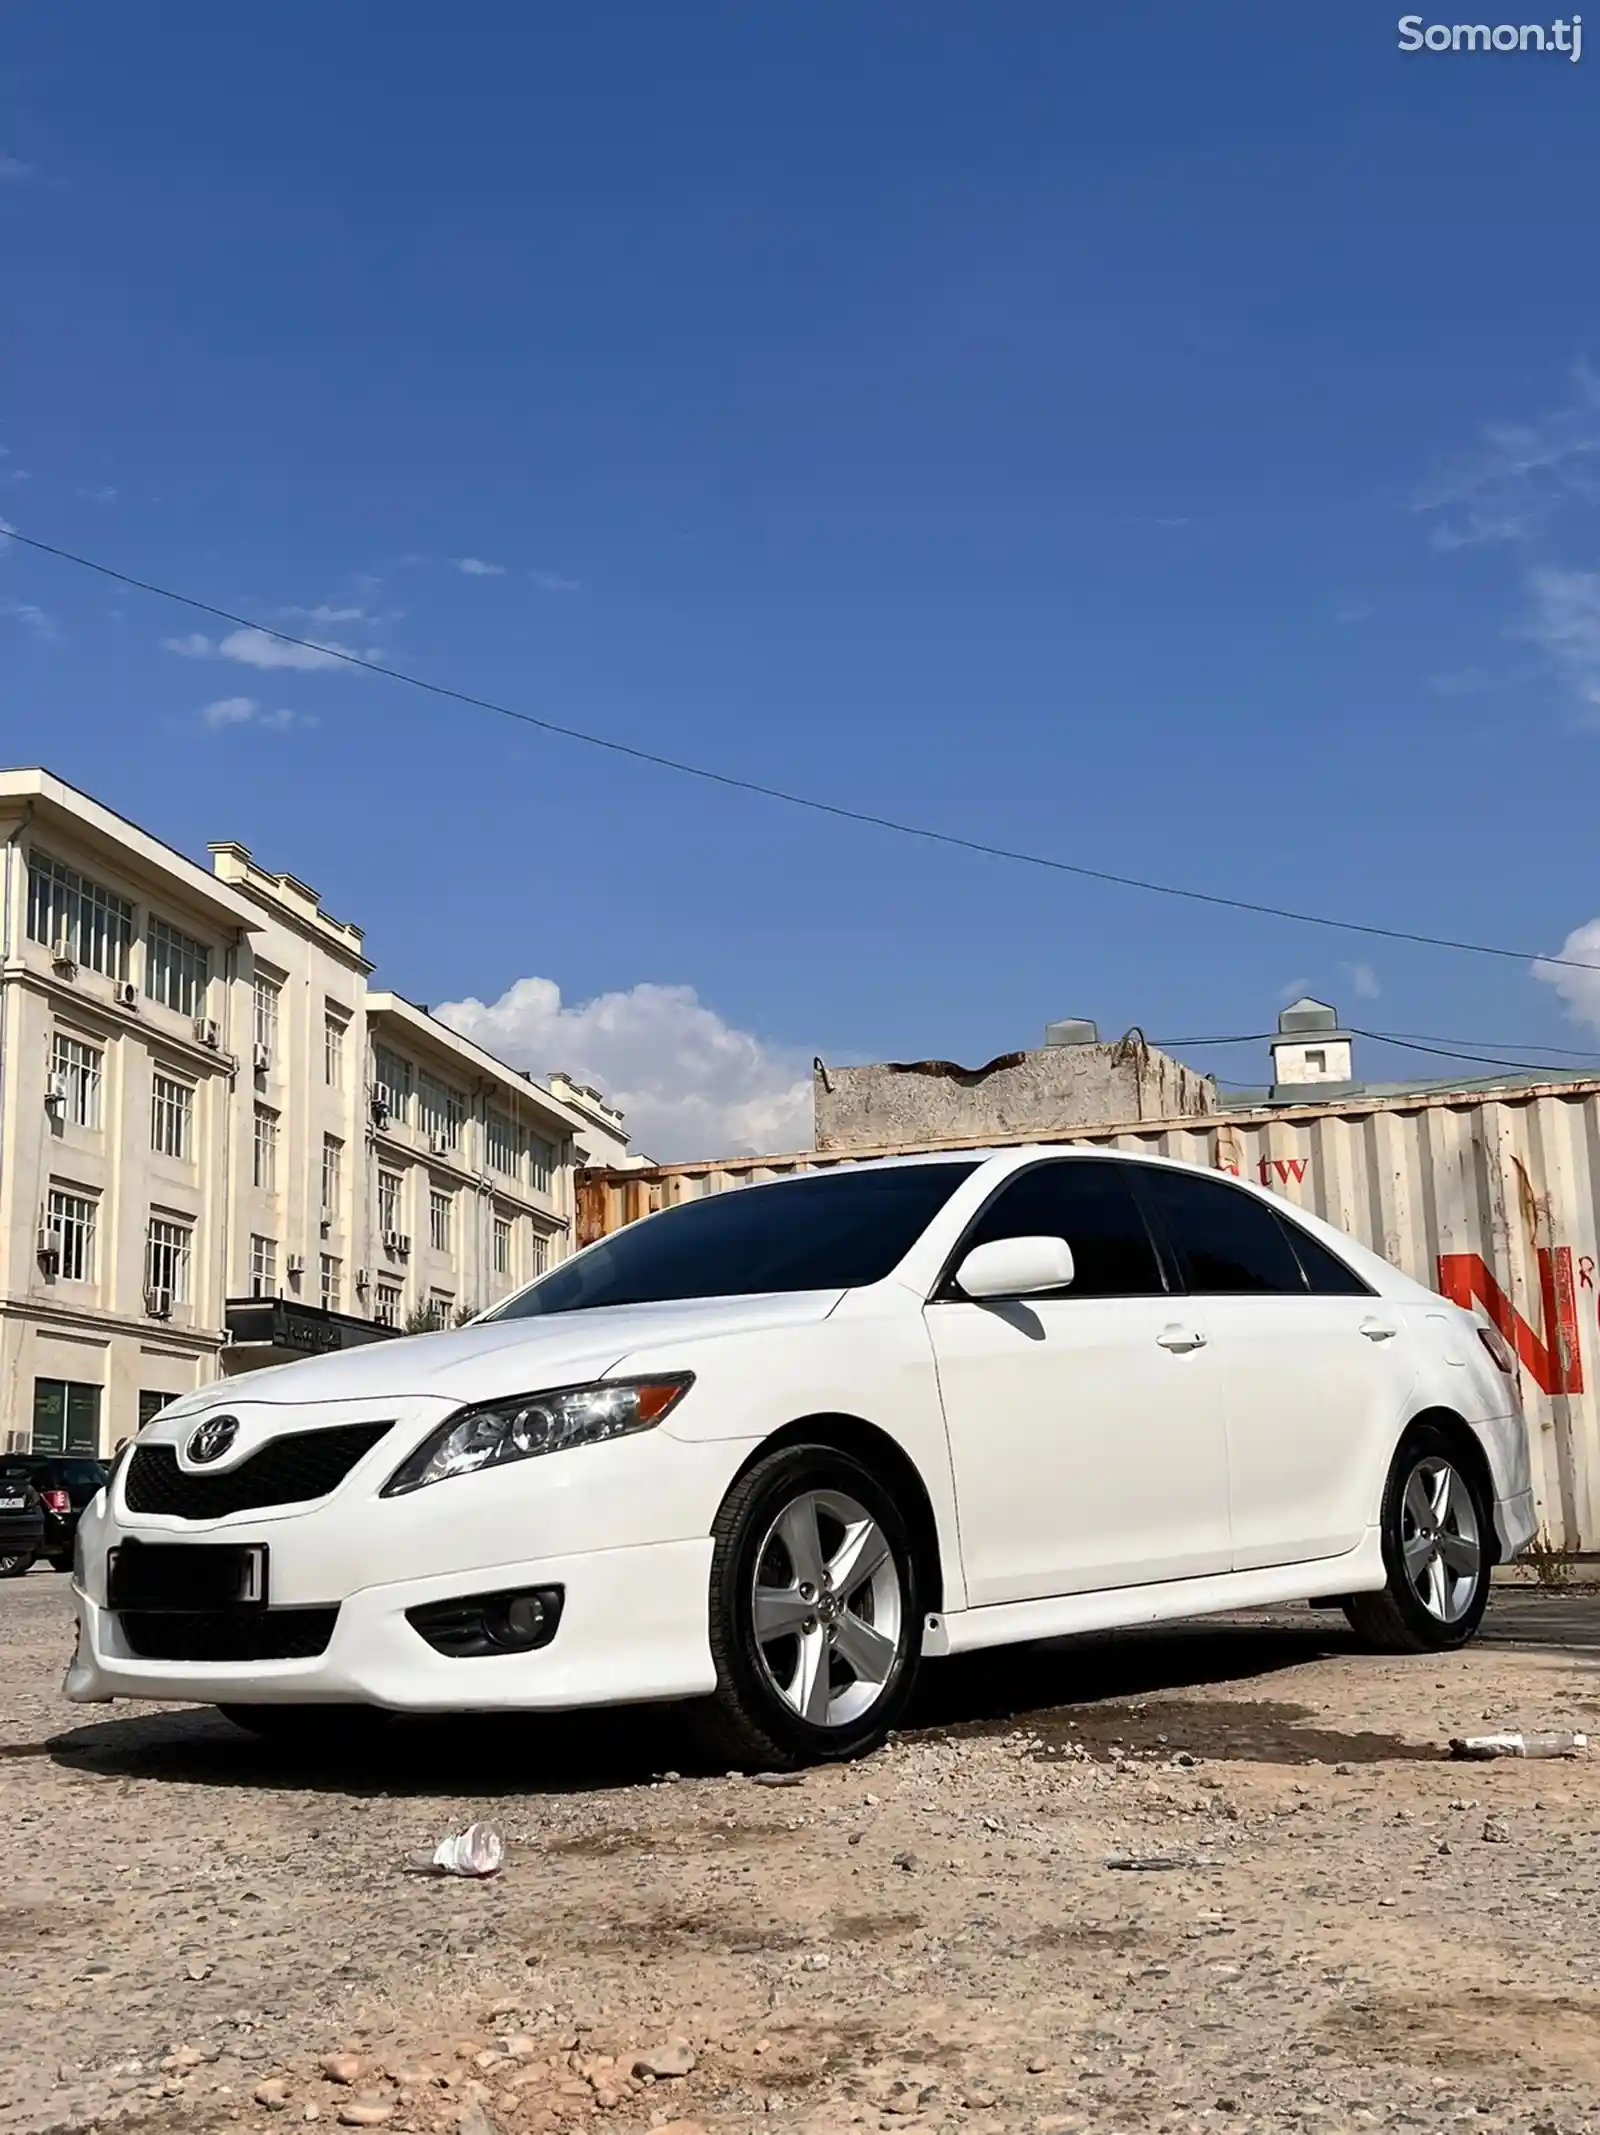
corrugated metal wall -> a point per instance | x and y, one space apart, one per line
1490 1199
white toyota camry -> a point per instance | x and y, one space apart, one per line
769 1450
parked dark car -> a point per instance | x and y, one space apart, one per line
21 1523
65 1482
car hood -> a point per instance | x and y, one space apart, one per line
505 1356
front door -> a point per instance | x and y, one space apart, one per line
66 1417
1085 1427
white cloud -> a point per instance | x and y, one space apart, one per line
244 711
1291 990
13 170
475 567
98 496
1564 622
690 1084
1363 981
553 582
1519 475
1579 989
43 626
253 647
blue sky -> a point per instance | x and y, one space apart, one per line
1158 436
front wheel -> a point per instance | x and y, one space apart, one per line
1437 1550
13 1565
815 1612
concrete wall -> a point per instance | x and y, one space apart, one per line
895 1104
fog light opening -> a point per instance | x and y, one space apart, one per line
516 1621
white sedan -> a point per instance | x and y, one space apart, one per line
769 1450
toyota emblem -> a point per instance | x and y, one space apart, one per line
212 1439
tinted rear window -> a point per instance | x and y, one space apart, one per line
829 1231
1230 1243
1326 1274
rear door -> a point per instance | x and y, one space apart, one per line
1085 1426
1314 1369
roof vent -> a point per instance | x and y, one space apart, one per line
1307 1014
1073 1031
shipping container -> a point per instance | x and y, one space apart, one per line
1488 1197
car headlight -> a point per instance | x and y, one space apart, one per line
494 1432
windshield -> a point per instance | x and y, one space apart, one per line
830 1231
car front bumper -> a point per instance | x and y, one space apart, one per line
634 1627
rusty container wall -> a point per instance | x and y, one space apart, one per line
905 1104
1490 1199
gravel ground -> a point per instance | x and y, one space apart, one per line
1360 1932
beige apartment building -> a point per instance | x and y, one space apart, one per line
220 1146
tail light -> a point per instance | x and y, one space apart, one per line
56 1500
1499 1348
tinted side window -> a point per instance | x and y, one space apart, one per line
1091 1206
1326 1274
1233 1245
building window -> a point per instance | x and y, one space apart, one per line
441 1309
265 1019
500 1144
389 1183
71 1219
66 1417
177 969
168 1249
386 1310
440 1111
263 1266
441 1212
331 1283
75 1068
266 1150
333 1030
67 911
391 1083
171 1117
542 1158
1317 1062
502 1245
151 1404
332 1176
539 1259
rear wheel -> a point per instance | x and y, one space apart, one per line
1438 1549
13 1565
815 1612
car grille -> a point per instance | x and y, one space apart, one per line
286 1471
228 1634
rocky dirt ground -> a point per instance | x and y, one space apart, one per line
1356 1932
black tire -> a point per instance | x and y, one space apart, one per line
17 1563
750 1722
1399 1619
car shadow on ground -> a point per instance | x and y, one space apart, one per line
493 1756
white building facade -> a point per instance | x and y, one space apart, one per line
219 1145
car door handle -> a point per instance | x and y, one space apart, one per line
1379 1330
1181 1338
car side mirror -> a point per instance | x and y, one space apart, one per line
1016 1267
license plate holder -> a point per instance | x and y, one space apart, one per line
179 1577
13 1504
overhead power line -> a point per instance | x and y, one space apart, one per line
1442 1048
837 810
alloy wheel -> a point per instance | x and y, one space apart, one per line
1439 1539
827 1608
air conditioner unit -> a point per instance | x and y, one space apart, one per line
49 1249
205 1029
158 1304
326 1220
127 994
363 1279
263 1058
439 1144
64 957
55 1093
295 1264
380 1113
397 1242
